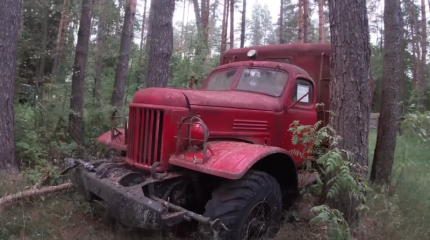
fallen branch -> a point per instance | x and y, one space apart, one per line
32 193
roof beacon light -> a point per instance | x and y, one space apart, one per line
252 54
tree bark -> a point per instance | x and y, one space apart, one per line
100 45
242 25
414 46
41 71
387 126
232 24
143 27
422 75
78 78
160 42
224 27
321 21
10 12
61 30
139 77
306 21
181 45
350 86
124 57
281 23
300 22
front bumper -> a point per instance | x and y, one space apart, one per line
127 205
129 196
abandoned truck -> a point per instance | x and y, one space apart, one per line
218 155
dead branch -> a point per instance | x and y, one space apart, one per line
32 193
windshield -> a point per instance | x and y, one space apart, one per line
264 81
221 80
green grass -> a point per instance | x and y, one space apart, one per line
410 199
404 213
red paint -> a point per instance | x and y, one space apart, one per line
225 159
243 126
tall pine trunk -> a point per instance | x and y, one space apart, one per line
387 127
414 46
305 21
300 22
60 36
100 45
124 55
78 78
181 44
10 12
422 75
232 24
350 86
321 20
281 23
224 27
142 35
242 25
160 44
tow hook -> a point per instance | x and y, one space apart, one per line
188 215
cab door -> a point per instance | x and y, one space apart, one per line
300 106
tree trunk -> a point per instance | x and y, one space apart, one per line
78 78
300 22
306 21
181 45
58 45
422 75
41 71
160 42
10 11
205 20
321 21
100 45
139 77
387 126
281 23
350 86
124 57
232 24
224 27
242 25
143 27
414 47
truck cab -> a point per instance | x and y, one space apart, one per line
216 155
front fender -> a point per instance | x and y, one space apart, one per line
225 159
118 142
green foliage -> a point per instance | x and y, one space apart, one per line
417 124
337 227
335 170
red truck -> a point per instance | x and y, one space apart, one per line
218 155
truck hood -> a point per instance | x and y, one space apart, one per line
228 99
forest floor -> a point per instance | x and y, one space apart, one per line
403 213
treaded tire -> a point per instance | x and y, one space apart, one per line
235 200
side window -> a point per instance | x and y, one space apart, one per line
301 88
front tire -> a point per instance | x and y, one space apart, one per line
249 207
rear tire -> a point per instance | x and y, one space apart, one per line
249 207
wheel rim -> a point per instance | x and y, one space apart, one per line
258 222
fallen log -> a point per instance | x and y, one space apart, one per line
33 193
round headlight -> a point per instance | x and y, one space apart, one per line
252 54
197 134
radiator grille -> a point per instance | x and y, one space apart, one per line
145 133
